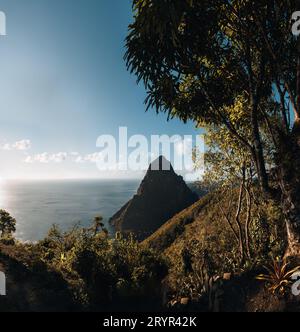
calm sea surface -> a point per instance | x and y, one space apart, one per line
38 205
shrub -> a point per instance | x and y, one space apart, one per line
7 224
104 272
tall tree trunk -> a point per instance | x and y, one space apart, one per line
248 220
237 218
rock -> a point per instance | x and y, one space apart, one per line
173 303
227 276
161 195
184 301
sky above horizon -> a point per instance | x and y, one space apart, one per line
64 83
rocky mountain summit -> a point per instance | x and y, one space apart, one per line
160 196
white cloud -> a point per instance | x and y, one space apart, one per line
45 158
59 157
94 157
22 145
89 158
29 160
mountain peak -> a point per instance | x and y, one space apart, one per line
161 164
161 195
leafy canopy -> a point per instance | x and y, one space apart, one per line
197 59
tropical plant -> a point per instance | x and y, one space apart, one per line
279 276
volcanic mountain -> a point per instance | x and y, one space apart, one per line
161 195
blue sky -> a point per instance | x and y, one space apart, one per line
63 83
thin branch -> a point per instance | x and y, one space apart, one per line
278 69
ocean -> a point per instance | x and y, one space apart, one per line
37 205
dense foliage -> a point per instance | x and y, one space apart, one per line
7 225
232 66
102 273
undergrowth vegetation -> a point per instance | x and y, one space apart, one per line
191 258
102 273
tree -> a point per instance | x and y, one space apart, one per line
196 58
7 224
229 167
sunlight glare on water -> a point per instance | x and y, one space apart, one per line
2 192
